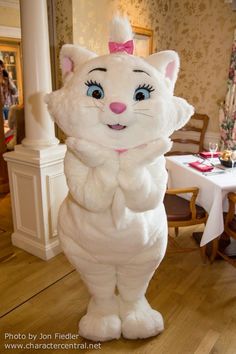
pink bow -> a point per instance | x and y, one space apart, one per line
127 47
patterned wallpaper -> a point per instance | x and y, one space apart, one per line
91 22
64 21
61 15
60 32
200 31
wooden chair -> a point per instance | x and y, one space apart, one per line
181 212
182 139
230 227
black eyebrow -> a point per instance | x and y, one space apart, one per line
99 69
140 71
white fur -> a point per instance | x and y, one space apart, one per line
139 320
77 58
120 30
161 60
112 225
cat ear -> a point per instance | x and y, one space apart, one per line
167 62
71 58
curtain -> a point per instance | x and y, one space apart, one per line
228 108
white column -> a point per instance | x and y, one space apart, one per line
36 174
36 74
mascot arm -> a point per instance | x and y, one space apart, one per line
91 187
143 177
144 189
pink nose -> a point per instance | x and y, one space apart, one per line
117 107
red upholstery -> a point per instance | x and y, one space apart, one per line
178 209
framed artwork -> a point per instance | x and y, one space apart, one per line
143 40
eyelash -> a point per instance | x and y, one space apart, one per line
146 87
91 83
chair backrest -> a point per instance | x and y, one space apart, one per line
230 220
190 138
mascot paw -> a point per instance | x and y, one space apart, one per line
100 328
139 320
139 324
92 154
144 154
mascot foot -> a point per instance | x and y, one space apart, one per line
139 320
102 322
101 328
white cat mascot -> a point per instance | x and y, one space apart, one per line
118 111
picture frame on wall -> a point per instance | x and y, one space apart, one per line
143 41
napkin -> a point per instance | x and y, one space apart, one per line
207 154
200 166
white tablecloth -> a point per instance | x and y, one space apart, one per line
213 189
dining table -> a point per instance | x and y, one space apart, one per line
213 185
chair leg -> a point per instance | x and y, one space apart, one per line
176 231
176 248
227 259
173 243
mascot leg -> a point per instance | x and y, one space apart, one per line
102 322
139 320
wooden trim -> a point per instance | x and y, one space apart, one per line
145 32
184 136
186 141
192 206
10 32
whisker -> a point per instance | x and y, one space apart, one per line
142 109
95 103
145 114
91 106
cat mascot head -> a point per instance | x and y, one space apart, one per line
119 100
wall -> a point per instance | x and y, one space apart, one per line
202 33
9 17
60 32
91 22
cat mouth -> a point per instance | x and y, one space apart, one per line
116 126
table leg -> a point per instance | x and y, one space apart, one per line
203 254
215 245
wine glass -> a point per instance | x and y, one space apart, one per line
213 148
233 158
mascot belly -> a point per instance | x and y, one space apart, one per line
118 111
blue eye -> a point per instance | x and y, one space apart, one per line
143 92
95 90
